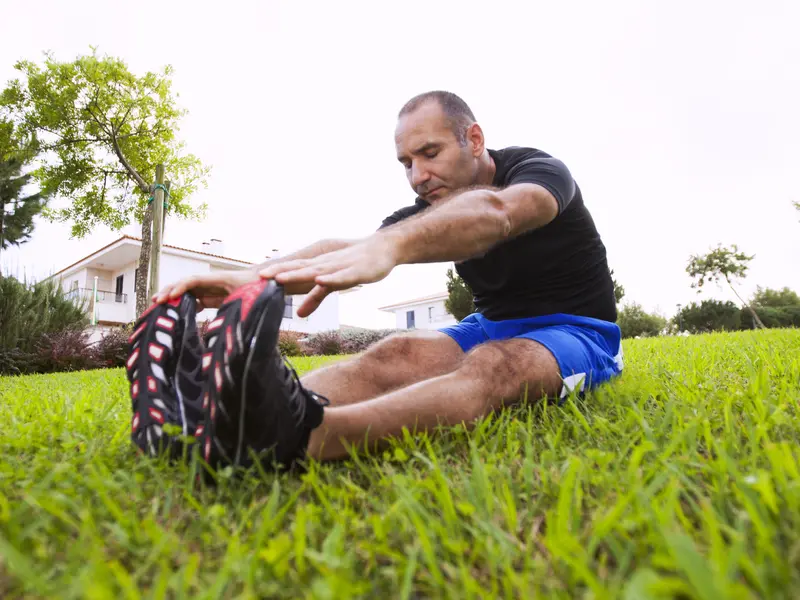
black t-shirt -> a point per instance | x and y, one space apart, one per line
558 268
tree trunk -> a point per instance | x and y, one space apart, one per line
747 306
142 293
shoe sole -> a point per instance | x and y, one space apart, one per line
234 339
151 368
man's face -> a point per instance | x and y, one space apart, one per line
436 165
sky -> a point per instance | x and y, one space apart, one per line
678 120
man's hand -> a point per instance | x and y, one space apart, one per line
366 261
210 289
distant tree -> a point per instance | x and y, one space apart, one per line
709 315
634 321
460 301
721 262
619 290
766 297
17 207
101 131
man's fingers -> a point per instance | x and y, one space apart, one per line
299 275
291 265
342 279
312 301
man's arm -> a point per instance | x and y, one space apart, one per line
471 223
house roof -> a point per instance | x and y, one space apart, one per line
139 240
422 300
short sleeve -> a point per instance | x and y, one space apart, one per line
551 173
404 213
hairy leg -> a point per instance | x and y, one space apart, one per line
392 363
491 376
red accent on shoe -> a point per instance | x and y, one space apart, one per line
218 378
133 358
228 341
148 310
208 449
135 390
207 360
151 384
213 410
199 431
156 414
215 323
155 351
135 424
166 323
136 333
175 301
205 401
247 294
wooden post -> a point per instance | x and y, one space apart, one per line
167 185
158 221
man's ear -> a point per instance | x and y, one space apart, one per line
475 137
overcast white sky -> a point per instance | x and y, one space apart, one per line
679 120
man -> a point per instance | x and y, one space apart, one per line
515 224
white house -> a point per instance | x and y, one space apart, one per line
115 267
421 313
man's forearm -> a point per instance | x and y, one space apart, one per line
315 249
461 228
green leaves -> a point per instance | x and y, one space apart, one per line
100 131
722 262
460 300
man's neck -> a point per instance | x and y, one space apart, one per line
486 169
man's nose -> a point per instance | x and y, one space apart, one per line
419 176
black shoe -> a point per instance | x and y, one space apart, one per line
253 401
164 370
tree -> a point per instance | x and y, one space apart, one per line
101 131
460 300
633 321
721 262
619 290
17 210
769 298
709 315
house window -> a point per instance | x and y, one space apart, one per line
118 291
430 314
287 309
410 319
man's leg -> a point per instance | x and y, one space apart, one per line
490 376
392 363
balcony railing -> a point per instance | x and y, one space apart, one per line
103 296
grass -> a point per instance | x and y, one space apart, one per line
681 479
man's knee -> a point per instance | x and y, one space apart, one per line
505 371
414 355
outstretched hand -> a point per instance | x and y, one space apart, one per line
367 261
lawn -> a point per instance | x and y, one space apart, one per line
679 479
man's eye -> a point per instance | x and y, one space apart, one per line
431 154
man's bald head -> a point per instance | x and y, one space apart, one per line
459 116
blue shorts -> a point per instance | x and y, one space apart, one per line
588 351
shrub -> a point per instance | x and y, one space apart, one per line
633 321
29 311
67 350
359 340
289 343
112 349
324 343
14 361
343 342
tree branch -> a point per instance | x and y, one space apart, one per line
131 171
